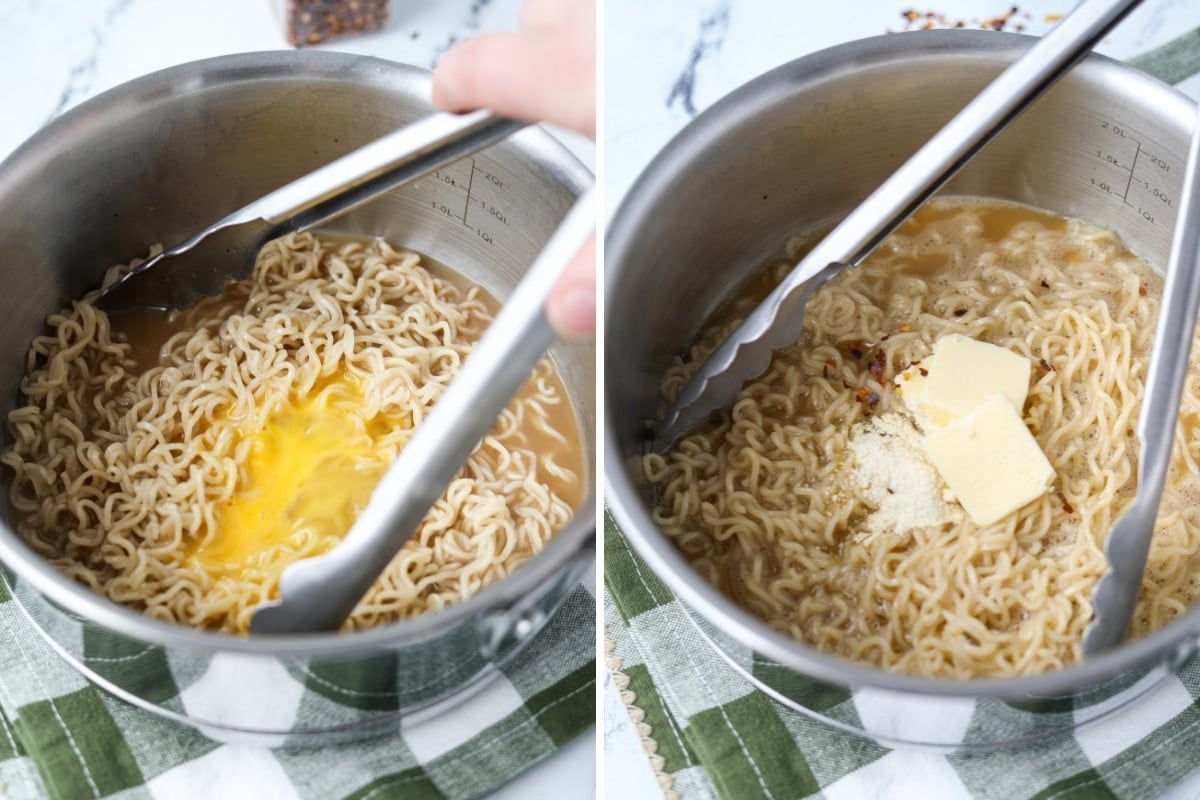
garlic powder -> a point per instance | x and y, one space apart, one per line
891 476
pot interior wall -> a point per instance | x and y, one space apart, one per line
117 179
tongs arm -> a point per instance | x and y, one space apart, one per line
778 320
203 264
318 593
389 161
1128 543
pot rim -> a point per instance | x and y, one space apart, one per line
622 496
572 542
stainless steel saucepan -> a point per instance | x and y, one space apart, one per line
155 160
790 153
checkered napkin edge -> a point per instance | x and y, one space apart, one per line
708 733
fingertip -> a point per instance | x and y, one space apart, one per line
533 83
571 307
451 80
572 312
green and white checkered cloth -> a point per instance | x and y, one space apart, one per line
62 738
714 735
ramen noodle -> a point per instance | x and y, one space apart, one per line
762 499
179 465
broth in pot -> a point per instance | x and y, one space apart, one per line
178 463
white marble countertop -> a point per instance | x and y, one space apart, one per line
58 53
665 62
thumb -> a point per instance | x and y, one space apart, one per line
571 307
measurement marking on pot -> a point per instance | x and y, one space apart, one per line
1143 188
473 198
1132 167
467 206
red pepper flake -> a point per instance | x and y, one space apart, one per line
829 362
912 19
1045 285
863 395
1142 291
1067 507
924 372
877 364
1000 22
886 336
309 22
825 371
855 348
1046 365
846 384
958 312
905 328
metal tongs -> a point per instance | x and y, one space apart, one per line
1128 543
778 320
225 251
317 594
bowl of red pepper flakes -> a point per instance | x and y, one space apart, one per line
311 22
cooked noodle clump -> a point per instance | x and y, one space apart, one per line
761 503
121 474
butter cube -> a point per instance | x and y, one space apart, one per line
911 383
961 373
990 460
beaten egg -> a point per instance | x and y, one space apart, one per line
319 445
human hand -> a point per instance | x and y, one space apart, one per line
546 71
